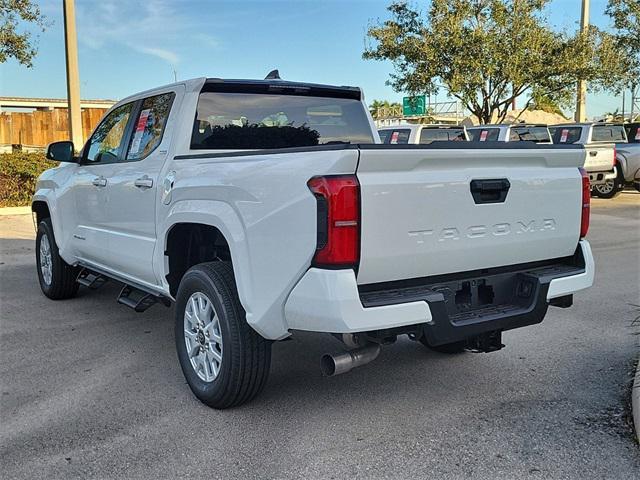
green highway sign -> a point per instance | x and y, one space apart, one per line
413 105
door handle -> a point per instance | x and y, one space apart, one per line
99 181
490 190
592 153
143 182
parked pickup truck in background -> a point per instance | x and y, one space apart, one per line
627 162
422 134
504 132
599 141
278 210
628 158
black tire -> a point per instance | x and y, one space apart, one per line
62 284
611 188
246 356
450 348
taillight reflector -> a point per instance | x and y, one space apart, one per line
586 203
338 244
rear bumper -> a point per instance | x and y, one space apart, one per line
600 177
331 301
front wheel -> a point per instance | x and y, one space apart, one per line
57 278
225 361
611 188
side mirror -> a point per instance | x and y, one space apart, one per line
61 152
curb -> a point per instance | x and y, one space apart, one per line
635 402
15 211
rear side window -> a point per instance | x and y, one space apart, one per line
429 135
483 134
529 134
566 134
608 133
230 120
149 125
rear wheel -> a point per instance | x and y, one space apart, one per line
225 361
611 188
455 347
57 278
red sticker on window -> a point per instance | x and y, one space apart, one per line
394 137
483 135
564 135
142 121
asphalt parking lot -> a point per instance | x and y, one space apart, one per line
91 389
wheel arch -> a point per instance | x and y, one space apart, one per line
222 229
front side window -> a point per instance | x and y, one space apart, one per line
230 120
149 126
608 133
105 143
483 134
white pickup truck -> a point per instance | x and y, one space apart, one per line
599 141
266 207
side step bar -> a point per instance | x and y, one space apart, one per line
132 296
91 279
139 300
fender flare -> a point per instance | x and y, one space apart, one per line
47 197
222 216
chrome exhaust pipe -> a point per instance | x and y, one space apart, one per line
336 364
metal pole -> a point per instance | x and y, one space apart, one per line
581 107
73 78
623 105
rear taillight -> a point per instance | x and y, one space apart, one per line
615 155
586 203
338 200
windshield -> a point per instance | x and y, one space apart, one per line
262 120
429 135
530 134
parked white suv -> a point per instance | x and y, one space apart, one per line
277 210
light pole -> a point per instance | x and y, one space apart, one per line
581 107
73 79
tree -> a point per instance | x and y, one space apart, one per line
489 52
380 108
626 22
12 43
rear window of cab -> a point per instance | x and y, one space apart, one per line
608 133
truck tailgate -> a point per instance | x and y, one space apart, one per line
419 216
599 157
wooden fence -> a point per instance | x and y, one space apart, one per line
41 127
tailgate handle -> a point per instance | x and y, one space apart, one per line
490 191
593 153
